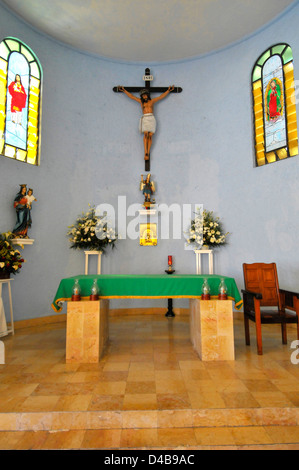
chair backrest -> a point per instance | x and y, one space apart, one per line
262 278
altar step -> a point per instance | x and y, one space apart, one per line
148 419
152 429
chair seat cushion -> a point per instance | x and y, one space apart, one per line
273 316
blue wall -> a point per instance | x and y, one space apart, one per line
202 153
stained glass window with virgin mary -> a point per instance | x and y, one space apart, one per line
274 106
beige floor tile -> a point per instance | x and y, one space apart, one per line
113 376
214 436
141 367
165 375
101 439
9 440
63 440
206 400
200 386
293 397
141 387
277 399
176 437
285 385
260 385
239 400
110 388
31 440
20 390
73 403
251 435
106 402
170 386
40 403
195 374
138 375
192 365
116 366
132 438
143 401
231 386
10 403
88 376
283 434
172 401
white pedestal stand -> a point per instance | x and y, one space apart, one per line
3 326
2 353
99 254
198 254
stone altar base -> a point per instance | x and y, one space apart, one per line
211 329
87 330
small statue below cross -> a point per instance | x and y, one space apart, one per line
148 188
147 124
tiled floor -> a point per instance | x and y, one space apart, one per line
149 391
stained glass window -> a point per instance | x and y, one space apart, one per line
274 105
20 102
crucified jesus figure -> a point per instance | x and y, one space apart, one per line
147 124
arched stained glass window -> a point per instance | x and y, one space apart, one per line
20 102
274 105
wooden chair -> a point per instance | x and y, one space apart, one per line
262 290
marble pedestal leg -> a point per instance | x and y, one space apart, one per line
87 330
211 329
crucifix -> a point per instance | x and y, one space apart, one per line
147 124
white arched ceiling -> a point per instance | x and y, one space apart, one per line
148 30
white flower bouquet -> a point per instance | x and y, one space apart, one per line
11 260
206 229
91 232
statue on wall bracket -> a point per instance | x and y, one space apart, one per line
148 188
23 204
147 124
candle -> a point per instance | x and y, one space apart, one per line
222 295
76 291
205 290
169 260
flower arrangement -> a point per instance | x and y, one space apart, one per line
11 260
91 232
206 229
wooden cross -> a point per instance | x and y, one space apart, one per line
136 89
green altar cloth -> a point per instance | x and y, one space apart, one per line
149 286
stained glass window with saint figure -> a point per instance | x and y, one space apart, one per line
20 102
274 106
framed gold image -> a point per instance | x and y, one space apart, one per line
148 234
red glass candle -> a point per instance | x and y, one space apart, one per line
169 260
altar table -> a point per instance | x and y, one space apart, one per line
211 321
146 286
